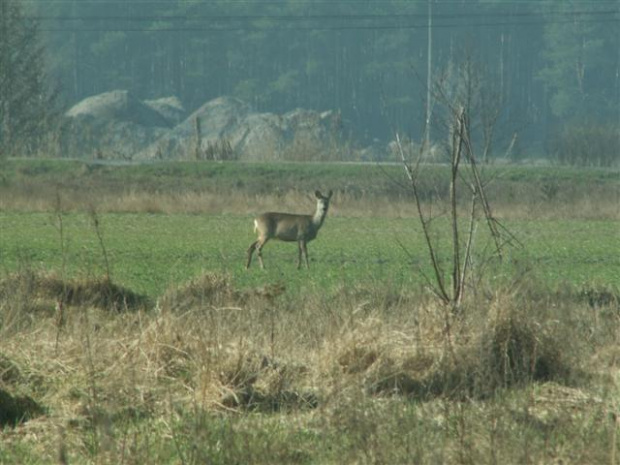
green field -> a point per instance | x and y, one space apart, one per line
150 252
351 361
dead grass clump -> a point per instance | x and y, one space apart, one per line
41 292
409 375
253 381
104 294
519 351
17 409
10 373
474 361
216 354
385 361
207 290
360 350
511 352
600 297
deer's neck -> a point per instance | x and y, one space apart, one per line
319 216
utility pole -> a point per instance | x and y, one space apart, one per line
427 135
76 53
5 63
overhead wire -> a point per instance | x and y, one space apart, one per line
315 2
219 17
195 23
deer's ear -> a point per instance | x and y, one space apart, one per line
318 195
329 196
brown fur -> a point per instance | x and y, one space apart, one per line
289 228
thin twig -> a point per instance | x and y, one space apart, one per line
438 275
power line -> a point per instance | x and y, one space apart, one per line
310 2
361 17
321 27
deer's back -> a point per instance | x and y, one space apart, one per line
284 226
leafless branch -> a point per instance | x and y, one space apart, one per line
441 291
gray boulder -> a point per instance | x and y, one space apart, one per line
170 108
111 125
227 128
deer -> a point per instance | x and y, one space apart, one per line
289 227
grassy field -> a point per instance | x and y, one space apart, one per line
180 355
150 252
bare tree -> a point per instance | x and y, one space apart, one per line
460 94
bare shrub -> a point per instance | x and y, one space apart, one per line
588 144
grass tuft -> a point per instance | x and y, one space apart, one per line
207 290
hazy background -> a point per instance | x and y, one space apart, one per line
551 62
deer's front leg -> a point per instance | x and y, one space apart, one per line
300 251
304 248
259 253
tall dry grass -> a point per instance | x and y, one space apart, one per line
536 203
209 347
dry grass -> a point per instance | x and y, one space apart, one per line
589 206
208 347
91 372
31 293
379 192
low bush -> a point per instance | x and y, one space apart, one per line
587 145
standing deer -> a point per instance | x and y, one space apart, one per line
289 227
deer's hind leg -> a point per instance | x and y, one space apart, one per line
258 246
250 252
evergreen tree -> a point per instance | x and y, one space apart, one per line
580 60
25 100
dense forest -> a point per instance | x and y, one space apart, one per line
553 63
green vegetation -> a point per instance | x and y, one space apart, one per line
282 56
180 355
261 178
149 252
28 106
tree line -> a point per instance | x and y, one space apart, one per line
551 63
